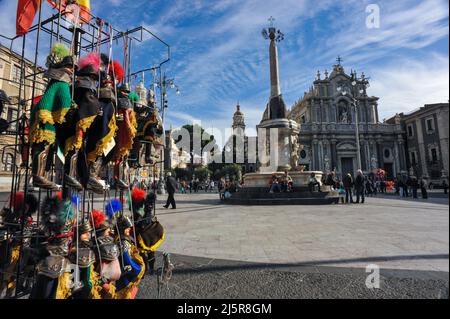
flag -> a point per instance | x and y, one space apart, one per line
85 8
26 11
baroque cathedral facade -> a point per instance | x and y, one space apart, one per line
328 114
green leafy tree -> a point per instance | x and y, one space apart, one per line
202 173
183 174
233 171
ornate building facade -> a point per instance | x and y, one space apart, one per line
10 76
426 137
328 114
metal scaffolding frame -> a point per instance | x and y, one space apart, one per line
92 36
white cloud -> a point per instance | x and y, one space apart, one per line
409 84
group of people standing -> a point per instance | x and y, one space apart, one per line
363 185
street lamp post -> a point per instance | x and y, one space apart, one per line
355 105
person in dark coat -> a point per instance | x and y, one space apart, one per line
171 185
359 186
348 184
423 188
414 186
445 186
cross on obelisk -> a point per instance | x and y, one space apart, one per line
271 20
339 60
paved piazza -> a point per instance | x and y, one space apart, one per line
389 232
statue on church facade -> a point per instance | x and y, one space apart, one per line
344 117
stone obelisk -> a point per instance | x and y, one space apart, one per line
274 72
277 128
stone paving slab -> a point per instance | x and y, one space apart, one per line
200 278
395 233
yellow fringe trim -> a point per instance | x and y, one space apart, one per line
96 288
44 116
144 247
9 279
101 145
132 130
85 123
72 143
38 136
125 293
60 115
63 290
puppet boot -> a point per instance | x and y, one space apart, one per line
95 183
39 173
70 175
120 175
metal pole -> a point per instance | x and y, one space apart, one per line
358 147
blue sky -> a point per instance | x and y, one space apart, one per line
219 56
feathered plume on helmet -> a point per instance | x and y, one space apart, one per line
138 198
138 195
28 203
57 54
56 215
89 65
116 71
98 217
112 207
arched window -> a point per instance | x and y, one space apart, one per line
8 164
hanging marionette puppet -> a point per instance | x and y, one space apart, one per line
21 208
87 110
152 130
142 111
83 249
54 270
49 113
133 267
149 232
107 252
127 128
100 140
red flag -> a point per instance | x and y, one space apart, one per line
85 9
26 11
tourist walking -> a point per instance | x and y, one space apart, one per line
171 185
348 184
359 187
423 188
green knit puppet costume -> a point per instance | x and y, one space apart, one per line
54 104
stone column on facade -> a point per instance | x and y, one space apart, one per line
422 149
326 154
373 155
397 158
402 154
333 153
314 154
367 155
380 153
321 155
